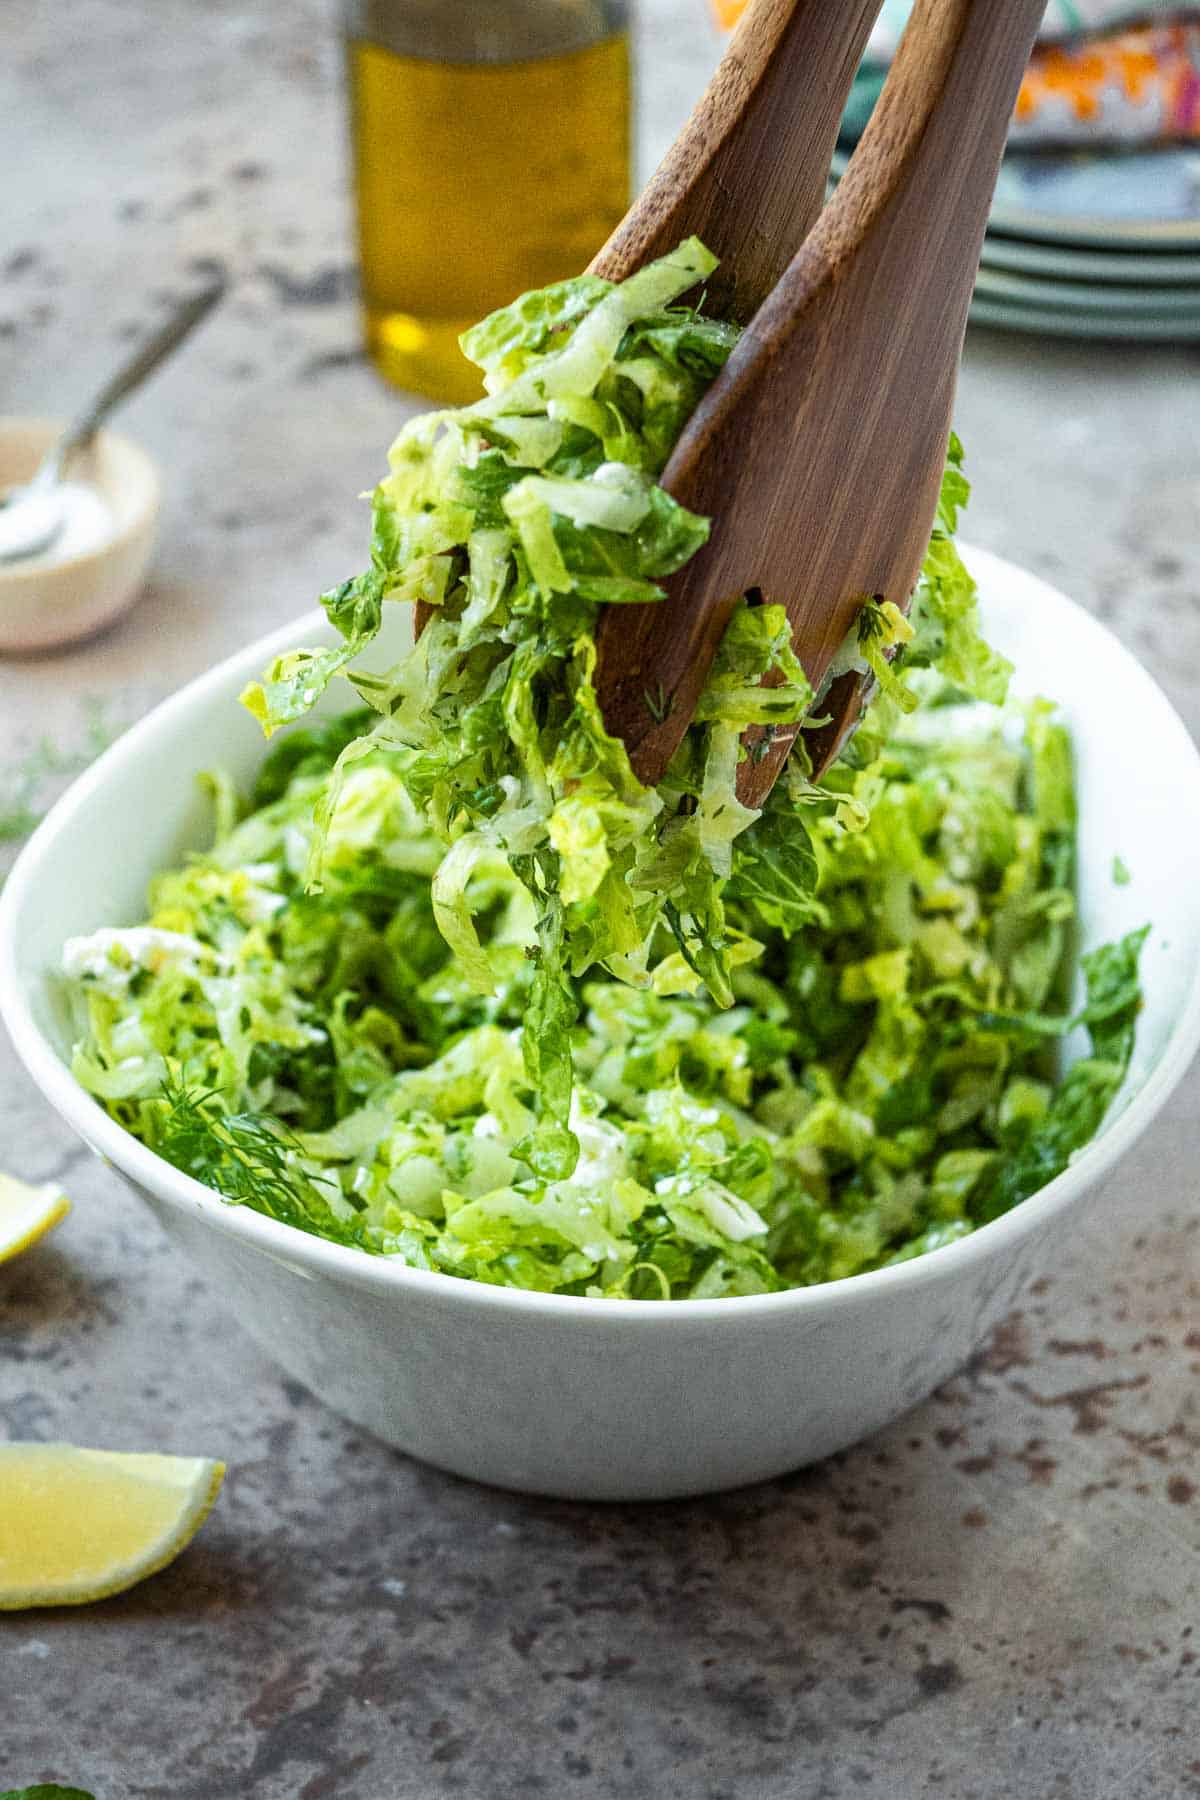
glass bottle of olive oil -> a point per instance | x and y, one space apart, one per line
491 155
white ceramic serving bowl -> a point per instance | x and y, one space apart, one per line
622 1399
49 601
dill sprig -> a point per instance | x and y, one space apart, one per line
22 805
246 1159
659 705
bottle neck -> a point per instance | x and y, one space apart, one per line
483 31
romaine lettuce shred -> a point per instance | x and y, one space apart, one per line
452 986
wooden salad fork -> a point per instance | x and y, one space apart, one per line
818 451
749 171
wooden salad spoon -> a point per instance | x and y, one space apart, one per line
749 170
818 451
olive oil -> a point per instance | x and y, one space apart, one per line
477 179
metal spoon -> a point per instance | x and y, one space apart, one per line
32 515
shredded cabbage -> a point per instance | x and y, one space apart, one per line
451 985
884 1081
518 518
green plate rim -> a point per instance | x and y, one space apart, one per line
1033 257
1001 287
1084 229
1096 232
1047 322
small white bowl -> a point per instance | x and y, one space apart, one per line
624 1399
48 602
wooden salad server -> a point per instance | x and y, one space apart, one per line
749 170
818 451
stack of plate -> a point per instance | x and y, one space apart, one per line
1089 244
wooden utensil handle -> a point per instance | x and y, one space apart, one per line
748 171
845 379
926 165
909 216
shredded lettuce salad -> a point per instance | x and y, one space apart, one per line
451 985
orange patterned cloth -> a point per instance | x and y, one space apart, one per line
1139 84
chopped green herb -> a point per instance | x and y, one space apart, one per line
658 705
26 787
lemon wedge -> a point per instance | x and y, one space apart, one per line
78 1525
27 1214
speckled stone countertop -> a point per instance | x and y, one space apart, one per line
996 1597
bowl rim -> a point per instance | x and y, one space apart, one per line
353 1267
31 568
